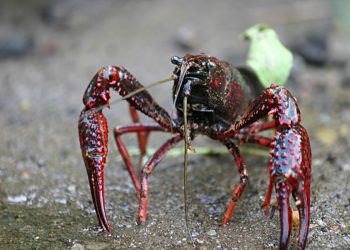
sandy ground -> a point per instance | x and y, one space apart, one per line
44 196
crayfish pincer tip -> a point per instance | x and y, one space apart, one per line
285 219
101 208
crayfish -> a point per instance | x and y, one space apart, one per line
211 98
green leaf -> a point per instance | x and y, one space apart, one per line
270 60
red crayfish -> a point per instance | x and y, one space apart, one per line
214 99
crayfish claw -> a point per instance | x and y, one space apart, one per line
291 172
282 194
96 181
93 136
302 200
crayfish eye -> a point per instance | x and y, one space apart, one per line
211 65
176 60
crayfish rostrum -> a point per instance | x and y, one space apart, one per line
211 98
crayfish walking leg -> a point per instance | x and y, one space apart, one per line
148 169
142 136
237 192
138 128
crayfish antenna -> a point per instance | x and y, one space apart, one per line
148 86
187 147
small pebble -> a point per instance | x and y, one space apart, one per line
62 201
321 223
25 175
17 199
199 241
211 232
71 189
99 245
77 246
41 163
